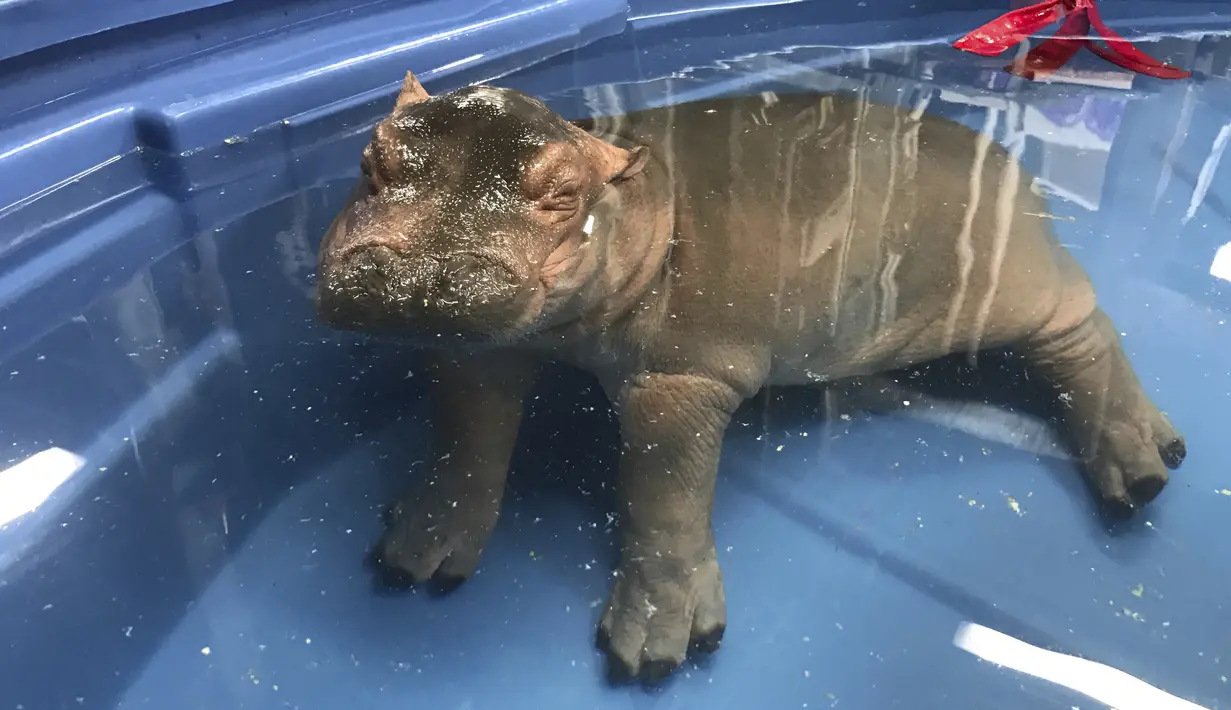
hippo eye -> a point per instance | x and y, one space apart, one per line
365 167
564 198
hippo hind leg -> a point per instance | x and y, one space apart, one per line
1123 442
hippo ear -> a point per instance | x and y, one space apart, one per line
615 163
637 158
412 92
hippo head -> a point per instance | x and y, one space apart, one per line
470 219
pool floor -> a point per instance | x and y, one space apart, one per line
854 548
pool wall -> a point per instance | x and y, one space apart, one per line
165 169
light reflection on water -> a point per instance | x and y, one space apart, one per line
868 536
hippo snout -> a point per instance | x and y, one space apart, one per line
466 294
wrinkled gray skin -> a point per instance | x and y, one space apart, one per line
688 257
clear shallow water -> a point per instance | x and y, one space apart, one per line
853 547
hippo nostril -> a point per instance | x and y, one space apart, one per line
474 278
380 256
369 268
460 268
476 268
371 260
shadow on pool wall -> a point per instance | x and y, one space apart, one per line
228 459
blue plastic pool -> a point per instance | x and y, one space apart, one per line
192 469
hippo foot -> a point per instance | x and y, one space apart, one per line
428 544
1128 468
661 606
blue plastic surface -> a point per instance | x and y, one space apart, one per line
168 174
26 25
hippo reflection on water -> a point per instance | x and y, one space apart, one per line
689 256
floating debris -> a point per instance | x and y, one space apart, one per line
1048 215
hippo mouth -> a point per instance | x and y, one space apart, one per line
563 260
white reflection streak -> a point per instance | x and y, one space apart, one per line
1006 203
909 167
1177 141
916 113
1220 268
1107 685
889 289
28 484
715 8
787 180
1208 168
454 64
606 105
421 41
856 137
987 422
965 253
40 194
889 286
258 88
63 131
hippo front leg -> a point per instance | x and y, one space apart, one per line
439 529
668 592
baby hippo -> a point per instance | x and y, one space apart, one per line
689 256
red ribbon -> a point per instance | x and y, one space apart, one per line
1013 27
